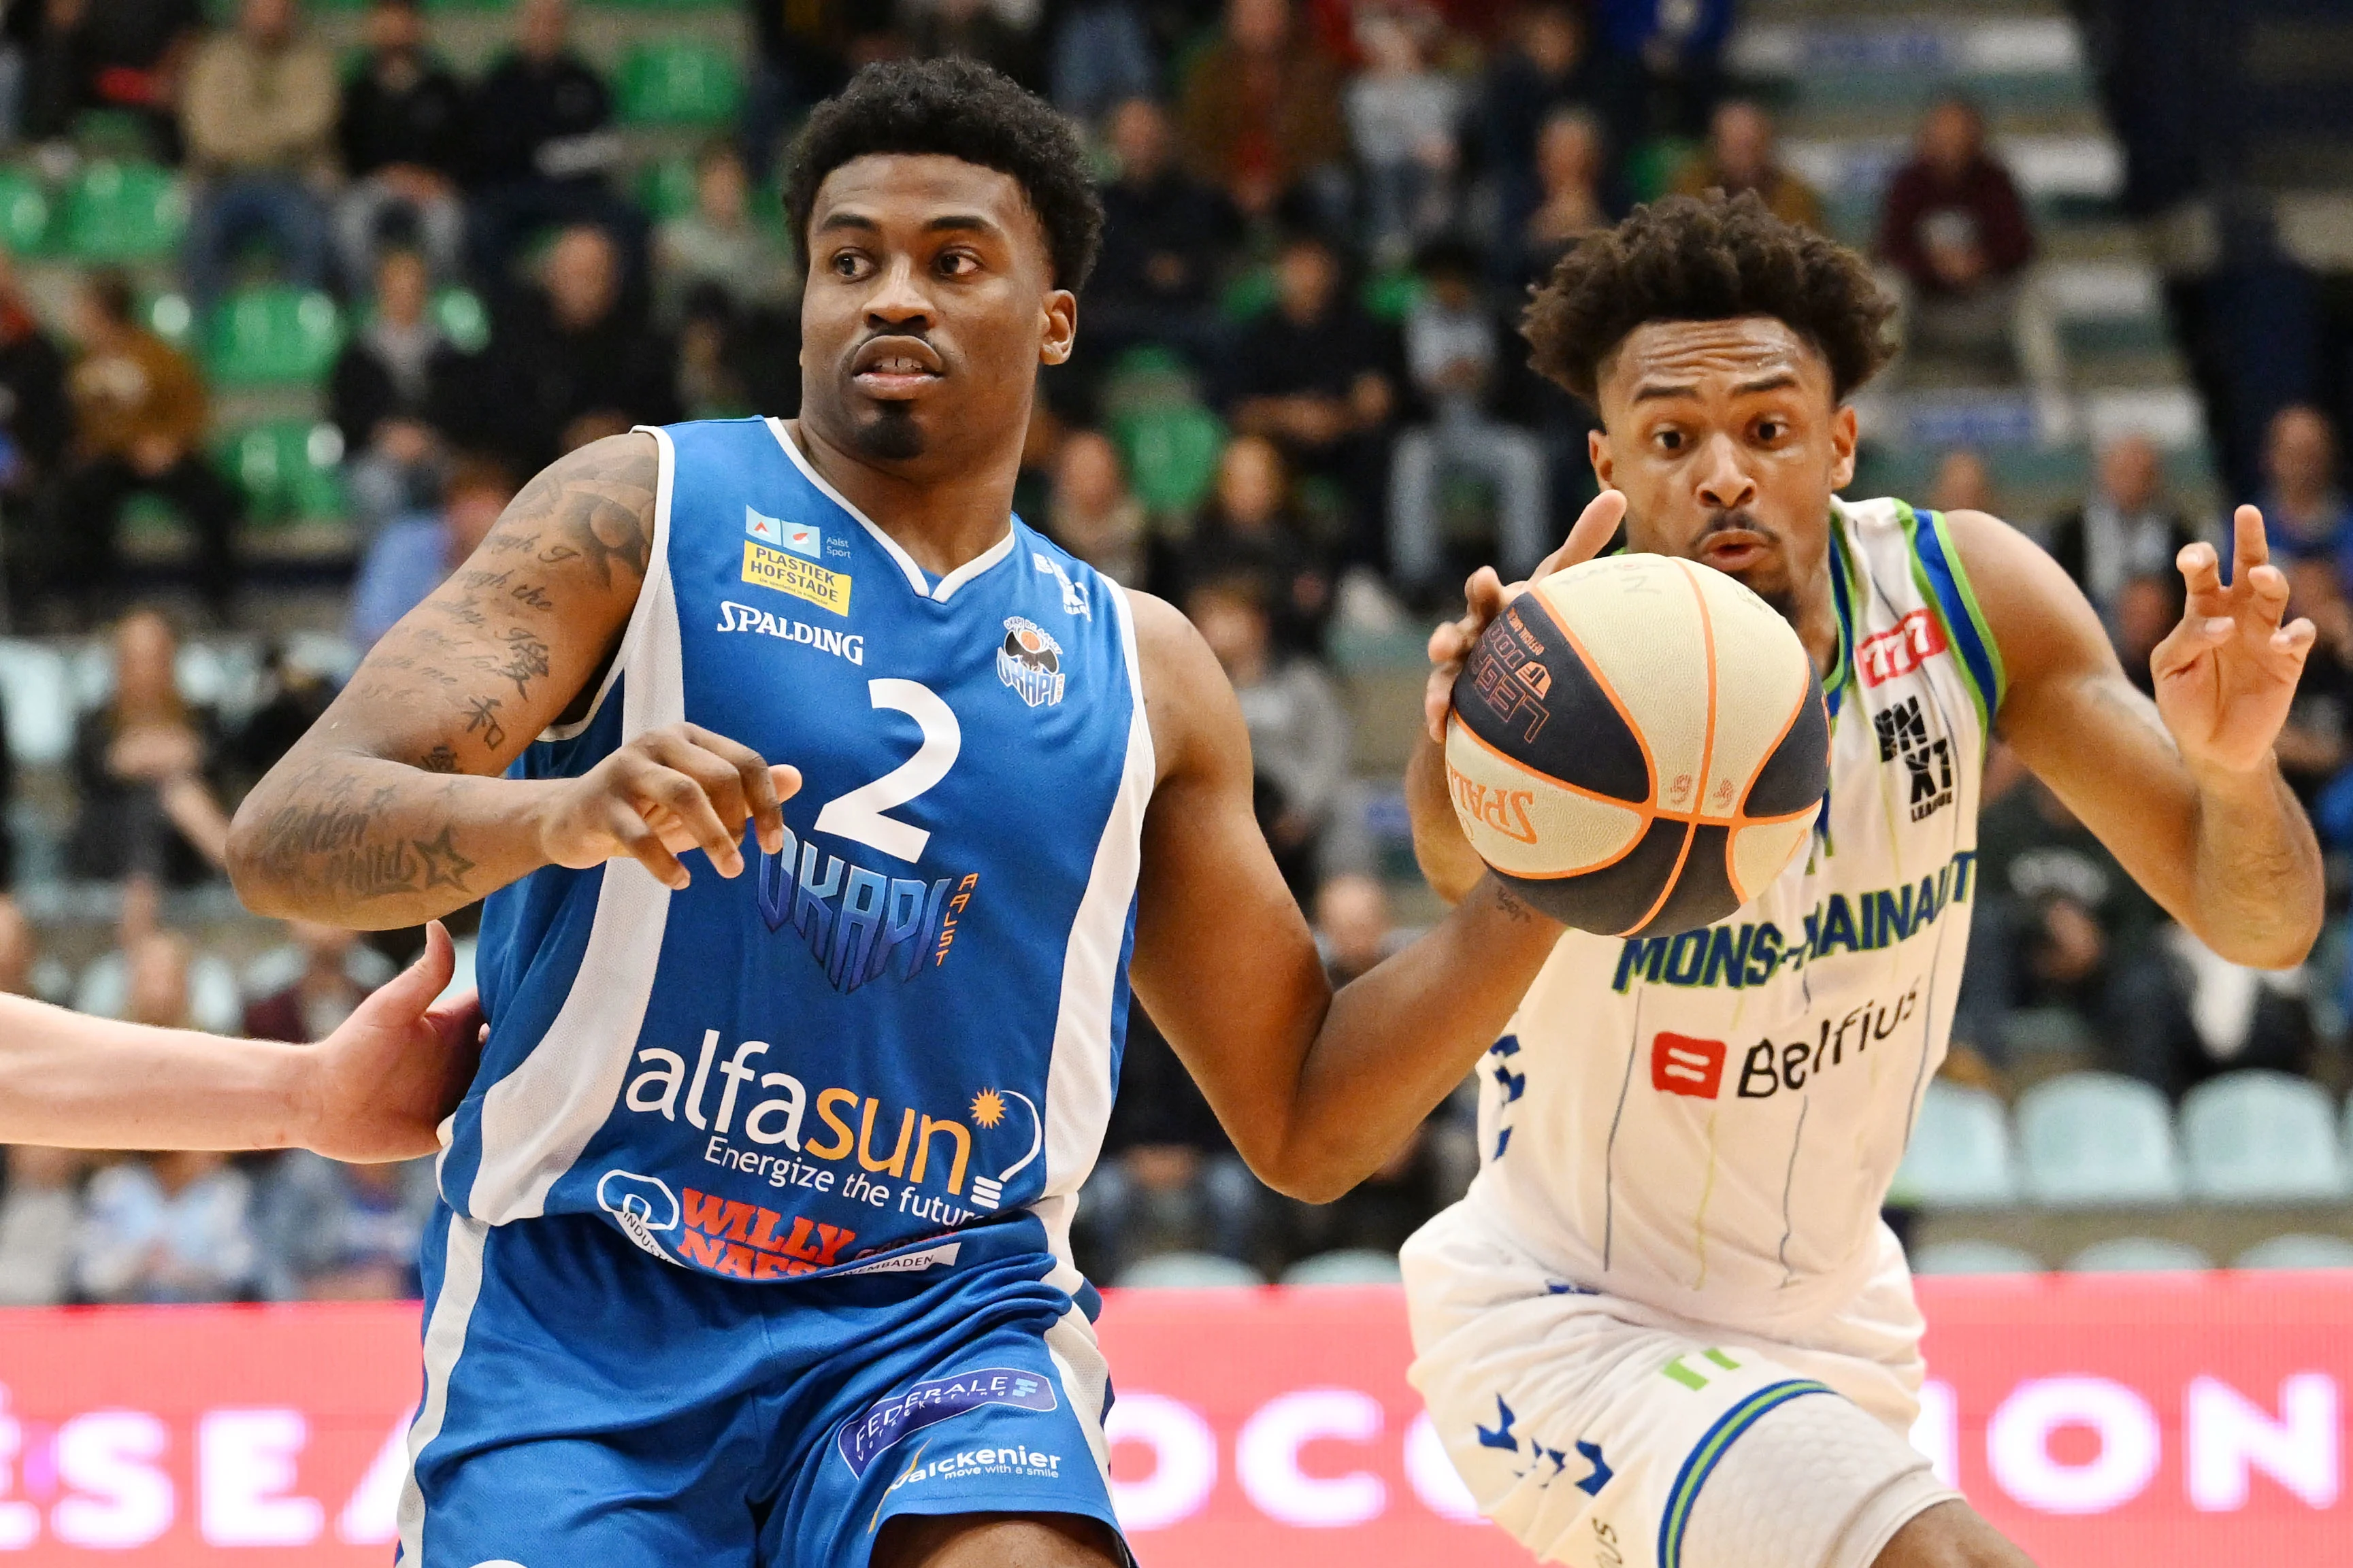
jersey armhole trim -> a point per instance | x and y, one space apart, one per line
1937 569
1143 718
657 563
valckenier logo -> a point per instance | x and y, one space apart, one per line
766 568
800 537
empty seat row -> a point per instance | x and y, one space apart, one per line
1206 1270
46 686
2095 1139
2134 1254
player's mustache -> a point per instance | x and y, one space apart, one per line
1739 519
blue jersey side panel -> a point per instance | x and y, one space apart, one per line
853 1047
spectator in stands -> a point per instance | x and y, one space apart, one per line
332 1232
2126 528
1253 528
801 53
1299 735
572 361
1963 483
541 122
34 425
1262 107
294 695
168 1228
397 385
1352 925
20 950
322 993
717 244
1166 239
409 558
41 1215
1453 342
1317 376
1670 70
139 421
1402 118
1953 225
125 55
995 33
260 118
2316 742
140 766
2145 611
1546 66
1103 57
1093 514
1569 164
2304 513
1739 156
402 132
1169 1179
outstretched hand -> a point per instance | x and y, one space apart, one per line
2226 675
1485 594
379 1085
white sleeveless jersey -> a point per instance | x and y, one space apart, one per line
1708 1123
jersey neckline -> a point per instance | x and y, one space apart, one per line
917 579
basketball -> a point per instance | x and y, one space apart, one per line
1638 745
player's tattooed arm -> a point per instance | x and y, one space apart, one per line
390 811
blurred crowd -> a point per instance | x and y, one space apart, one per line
1301 413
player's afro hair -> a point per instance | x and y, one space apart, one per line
1706 259
964 111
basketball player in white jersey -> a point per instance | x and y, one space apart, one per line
372 1091
1666 1328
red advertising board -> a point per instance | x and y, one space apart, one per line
2130 1421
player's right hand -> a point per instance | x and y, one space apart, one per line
669 790
1486 594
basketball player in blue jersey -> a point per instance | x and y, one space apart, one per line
825 810
1666 1328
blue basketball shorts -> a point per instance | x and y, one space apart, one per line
585 1404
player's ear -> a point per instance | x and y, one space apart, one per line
1597 452
1061 333
1842 438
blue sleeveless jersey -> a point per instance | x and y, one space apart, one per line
909 1021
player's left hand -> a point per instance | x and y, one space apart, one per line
1486 594
2226 675
378 1086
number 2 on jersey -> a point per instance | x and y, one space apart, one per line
858 814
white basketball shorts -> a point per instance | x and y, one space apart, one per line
1605 1434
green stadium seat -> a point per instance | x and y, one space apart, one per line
665 189
119 212
1348 1265
681 82
459 313
1189 1271
1959 1155
170 318
1969 1257
272 336
290 470
1172 454
2097 1139
2253 1136
2139 1254
24 213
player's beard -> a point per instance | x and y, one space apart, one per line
889 434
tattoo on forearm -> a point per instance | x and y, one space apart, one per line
532 594
335 843
481 714
439 759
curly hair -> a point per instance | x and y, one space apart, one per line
961 109
1706 259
